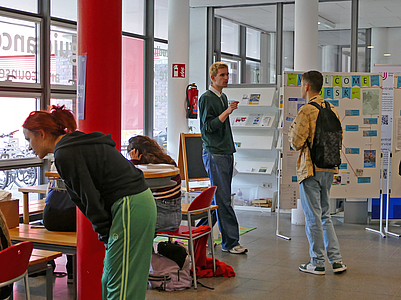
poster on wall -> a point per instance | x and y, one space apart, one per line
81 86
357 98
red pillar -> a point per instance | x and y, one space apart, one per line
99 38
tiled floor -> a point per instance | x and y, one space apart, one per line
270 269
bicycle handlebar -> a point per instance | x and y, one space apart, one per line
3 135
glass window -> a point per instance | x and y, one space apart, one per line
160 94
334 36
288 37
382 24
252 72
132 88
233 69
13 112
252 43
161 19
63 49
229 37
18 49
64 9
24 5
133 16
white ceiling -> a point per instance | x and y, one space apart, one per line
372 13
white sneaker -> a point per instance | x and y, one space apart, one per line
237 250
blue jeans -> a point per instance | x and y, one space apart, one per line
315 195
220 170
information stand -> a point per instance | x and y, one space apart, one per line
380 231
279 177
388 198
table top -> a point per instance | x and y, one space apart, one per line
42 189
41 235
148 173
40 256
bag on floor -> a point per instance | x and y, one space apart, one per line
166 275
175 251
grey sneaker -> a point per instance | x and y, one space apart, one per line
236 250
309 268
339 267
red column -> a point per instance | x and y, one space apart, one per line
99 38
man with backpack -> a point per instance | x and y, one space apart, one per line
316 132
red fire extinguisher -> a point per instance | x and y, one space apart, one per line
192 101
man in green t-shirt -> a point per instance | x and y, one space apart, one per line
218 149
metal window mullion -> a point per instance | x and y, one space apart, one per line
279 39
211 31
368 51
148 114
354 35
242 52
44 53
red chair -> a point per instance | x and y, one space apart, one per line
190 233
14 263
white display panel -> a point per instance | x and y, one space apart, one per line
357 98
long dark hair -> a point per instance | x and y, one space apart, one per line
151 152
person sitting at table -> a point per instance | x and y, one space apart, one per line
5 242
144 150
108 189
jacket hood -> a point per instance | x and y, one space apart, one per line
80 138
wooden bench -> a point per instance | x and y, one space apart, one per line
39 262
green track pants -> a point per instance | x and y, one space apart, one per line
127 259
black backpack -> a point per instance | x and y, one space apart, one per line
326 149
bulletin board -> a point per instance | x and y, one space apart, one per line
357 98
396 145
190 160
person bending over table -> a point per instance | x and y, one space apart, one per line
144 150
109 191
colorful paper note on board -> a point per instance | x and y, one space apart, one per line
292 79
355 93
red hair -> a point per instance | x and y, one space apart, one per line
57 121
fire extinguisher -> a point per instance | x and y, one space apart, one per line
192 101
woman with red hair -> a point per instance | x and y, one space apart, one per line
109 191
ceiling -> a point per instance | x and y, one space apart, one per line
372 13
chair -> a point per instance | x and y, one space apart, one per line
14 262
190 233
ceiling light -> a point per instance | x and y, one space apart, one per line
371 47
326 23
387 54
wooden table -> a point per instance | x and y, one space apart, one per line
41 189
39 262
65 242
42 238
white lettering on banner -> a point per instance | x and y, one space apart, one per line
57 47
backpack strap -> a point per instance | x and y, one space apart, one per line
307 141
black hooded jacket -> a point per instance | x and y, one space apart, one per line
96 175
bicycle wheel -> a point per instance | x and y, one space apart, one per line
26 177
3 179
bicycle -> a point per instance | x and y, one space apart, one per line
21 177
